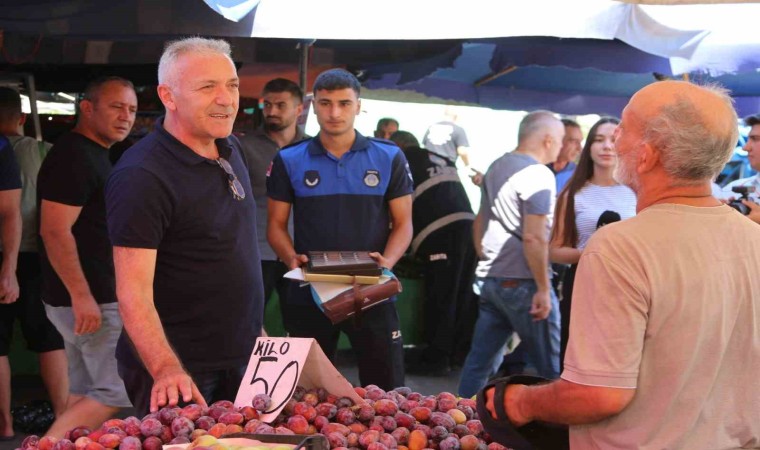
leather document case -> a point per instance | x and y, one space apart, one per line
352 302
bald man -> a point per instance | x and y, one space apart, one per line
663 349
510 232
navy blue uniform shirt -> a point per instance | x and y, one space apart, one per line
340 204
207 288
10 174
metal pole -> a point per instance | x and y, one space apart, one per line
33 105
303 64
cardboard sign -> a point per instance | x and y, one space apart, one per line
278 365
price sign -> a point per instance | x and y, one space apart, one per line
274 369
278 365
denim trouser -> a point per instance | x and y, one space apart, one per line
502 311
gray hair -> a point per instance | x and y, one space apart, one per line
175 49
693 148
534 122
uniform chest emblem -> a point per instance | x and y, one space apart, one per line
311 178
372 178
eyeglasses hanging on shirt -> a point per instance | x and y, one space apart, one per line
236 188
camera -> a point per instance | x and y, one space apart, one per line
737 204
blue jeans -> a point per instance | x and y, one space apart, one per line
505 307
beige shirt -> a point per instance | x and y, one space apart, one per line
29 160
668 302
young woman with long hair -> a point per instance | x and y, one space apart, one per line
590 199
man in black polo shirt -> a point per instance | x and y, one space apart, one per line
181 217
78 286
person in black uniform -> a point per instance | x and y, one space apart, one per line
442 219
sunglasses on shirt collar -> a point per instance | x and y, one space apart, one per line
236 187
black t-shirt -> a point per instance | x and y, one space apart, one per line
10 174
74 173
207 287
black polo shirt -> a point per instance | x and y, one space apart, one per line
10 174
74 173
207 287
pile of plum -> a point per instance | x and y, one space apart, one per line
398 419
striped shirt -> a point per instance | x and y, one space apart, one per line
593 200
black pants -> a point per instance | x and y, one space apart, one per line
40 334
214 385
564 309
450 307
375 338
272 275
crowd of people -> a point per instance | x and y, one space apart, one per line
605 265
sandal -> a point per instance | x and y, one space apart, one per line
535 435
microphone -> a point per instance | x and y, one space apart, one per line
607 218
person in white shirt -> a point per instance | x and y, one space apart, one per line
590 199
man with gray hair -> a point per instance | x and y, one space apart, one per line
181 217
511 234
663 349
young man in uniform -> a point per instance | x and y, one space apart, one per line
347 192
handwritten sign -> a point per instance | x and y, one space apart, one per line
278 365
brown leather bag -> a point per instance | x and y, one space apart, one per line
362 296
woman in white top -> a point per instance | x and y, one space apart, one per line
592 198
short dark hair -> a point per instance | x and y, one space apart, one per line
93 88
10 104
382 123
335 79
752 120
278 85
404 139
570 123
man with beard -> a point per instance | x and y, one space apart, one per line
283 103
663 349
386 127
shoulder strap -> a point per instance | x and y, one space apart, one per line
506 228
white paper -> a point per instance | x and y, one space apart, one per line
326 290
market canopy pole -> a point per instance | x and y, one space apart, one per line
33 106
303 63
